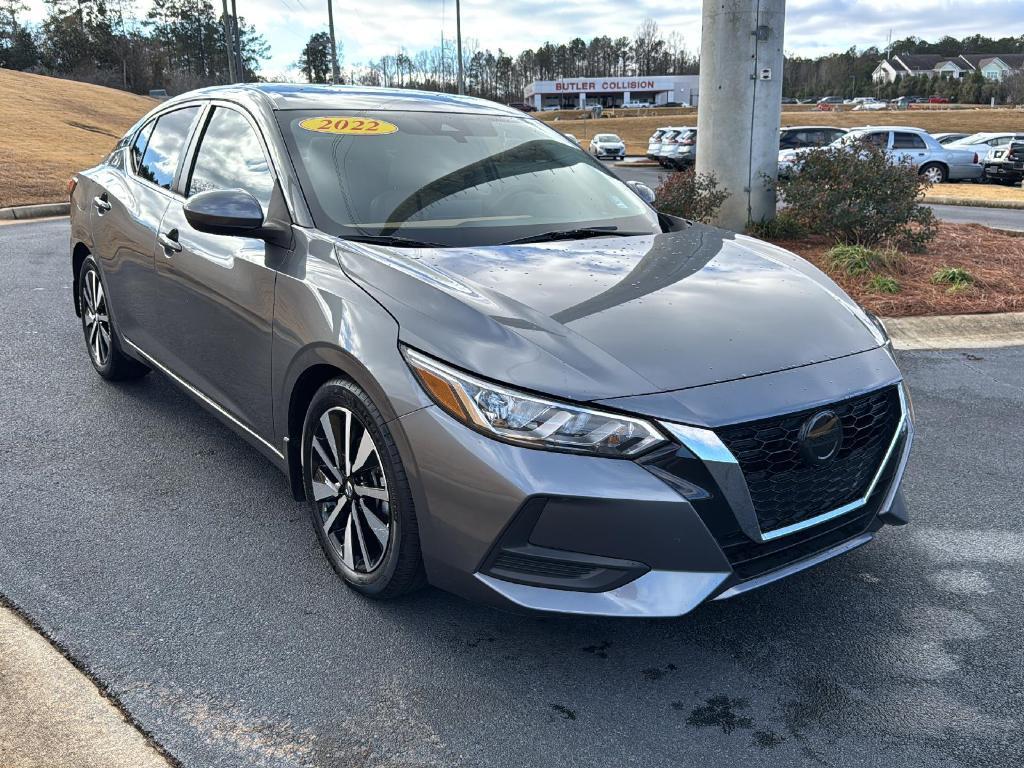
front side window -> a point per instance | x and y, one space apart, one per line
230 157
166 143
452 178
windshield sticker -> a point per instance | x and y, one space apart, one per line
349 126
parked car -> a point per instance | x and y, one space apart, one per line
984 143
830 100
607 145
160 94
354 291
654 143
932 160
571 138
797 136
946 138
523 106
871 105
680 151
666 145
1006 164
938 100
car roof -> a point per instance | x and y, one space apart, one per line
284 96
908 128
813 128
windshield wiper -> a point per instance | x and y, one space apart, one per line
574 234
396 240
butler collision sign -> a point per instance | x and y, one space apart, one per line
613 91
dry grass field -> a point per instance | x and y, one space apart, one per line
969 193
635 131
50 128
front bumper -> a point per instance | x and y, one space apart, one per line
545 531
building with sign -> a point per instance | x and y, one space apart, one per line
584 92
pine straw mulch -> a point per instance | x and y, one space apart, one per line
995 258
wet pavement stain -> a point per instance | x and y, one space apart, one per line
768 739
599 650
718 712
656 673
565 712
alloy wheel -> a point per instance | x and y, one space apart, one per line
95 318
933 175
350 490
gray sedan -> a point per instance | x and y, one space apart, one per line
482 360
932 160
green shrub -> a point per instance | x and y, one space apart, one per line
857 260
859 196
783 227
691 195
883 284
955 277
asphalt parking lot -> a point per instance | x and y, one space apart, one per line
167 558
1000 218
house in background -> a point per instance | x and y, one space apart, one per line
992 66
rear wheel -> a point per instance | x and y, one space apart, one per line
934 173
360 502
98 327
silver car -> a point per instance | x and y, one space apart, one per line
480 358
680 151
654 143
984 143
932 160
607 145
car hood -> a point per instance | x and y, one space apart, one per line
611 317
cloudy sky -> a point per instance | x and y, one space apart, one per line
370 29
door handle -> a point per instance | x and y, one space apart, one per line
169 241
100 201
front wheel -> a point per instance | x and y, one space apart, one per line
100 338
934 173
360 502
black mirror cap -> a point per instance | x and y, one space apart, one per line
225 212
642 191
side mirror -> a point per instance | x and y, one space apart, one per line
225 212
644 192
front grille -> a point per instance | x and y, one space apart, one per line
537 566
784 488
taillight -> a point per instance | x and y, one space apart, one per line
72 183
687 141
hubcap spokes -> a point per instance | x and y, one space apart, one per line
96 320
350 490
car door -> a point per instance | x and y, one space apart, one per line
130 195
909 147
216 292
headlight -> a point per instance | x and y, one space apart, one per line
525 419
881 334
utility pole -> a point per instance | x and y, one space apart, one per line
740 105
239 61
458 38
229 46
335 75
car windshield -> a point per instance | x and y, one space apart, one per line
453 179
607 137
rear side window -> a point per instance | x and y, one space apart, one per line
908 141
166 143
139 146
230 157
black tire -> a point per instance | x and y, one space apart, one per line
101 339
942 170
400 567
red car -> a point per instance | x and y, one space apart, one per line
938 100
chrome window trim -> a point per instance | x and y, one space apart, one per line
709 448
200 395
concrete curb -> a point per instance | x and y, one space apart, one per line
1004 329
970 202
40 211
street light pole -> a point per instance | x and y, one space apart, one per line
228 45
335 75
458 44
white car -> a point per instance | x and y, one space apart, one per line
871 105
571 138
654 143
932 160
984 143
607 145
